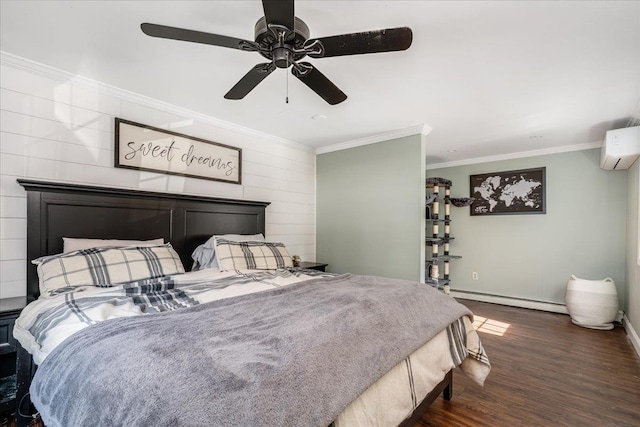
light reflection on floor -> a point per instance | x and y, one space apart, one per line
490 326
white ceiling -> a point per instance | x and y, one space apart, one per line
489 78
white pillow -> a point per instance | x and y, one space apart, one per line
204 256
70 244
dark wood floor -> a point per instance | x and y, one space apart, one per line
545 372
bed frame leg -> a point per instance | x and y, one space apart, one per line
447 393
25 370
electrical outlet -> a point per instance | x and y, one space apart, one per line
474 275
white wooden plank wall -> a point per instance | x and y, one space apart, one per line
56 127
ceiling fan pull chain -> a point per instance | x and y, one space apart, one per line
286 85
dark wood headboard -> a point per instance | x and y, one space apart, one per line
57 210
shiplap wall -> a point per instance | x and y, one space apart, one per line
55 126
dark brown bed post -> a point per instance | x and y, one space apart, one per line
447 393
25 369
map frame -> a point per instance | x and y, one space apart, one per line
481 207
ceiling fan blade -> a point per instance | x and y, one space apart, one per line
279 12
318 83
165 32
250 80
388 40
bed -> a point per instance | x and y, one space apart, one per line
415 379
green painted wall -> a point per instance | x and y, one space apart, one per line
532 256
370 209
632 303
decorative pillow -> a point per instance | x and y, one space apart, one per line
71 244
251 255
106 266
204 256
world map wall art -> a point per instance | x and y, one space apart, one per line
510 192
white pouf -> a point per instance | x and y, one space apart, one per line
592 303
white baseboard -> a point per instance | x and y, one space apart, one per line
543 306
632 334
514 302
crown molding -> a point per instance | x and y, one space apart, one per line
519 155
385 136
46 70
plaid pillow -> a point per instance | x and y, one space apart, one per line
252 255
106 266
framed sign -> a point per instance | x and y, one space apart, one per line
510 192
147 148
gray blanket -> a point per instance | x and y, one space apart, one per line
293 356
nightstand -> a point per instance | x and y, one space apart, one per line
10 309
312 265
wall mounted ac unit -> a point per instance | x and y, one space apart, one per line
620 148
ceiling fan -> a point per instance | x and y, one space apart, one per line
284 40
